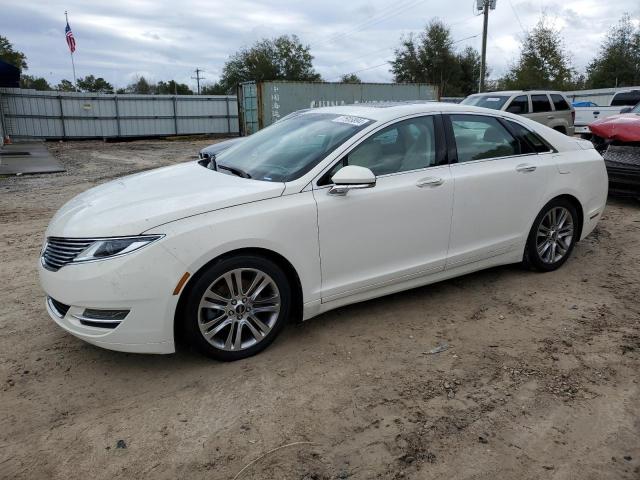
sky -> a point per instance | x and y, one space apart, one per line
121 40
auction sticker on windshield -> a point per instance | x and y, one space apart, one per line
357 121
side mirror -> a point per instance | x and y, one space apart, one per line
626 109
351 177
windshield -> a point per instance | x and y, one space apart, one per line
487 101
291 147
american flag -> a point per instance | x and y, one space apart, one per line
70 40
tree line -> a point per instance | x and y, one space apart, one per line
429 56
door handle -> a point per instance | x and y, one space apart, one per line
550 117
525 167
430 182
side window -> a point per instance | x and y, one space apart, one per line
626 98
519 105
404 146
528 137
559 102
478 137
540 103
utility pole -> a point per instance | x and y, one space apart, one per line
485 6
197 78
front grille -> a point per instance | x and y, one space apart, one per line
60 251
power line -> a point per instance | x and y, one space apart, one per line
363 69
517 17
374 18
387 62
390 13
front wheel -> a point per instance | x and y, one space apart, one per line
237 307
552 236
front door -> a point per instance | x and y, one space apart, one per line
396 230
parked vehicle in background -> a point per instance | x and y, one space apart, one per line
325 208
618 139
621 101
549 108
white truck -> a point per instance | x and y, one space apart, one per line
623 100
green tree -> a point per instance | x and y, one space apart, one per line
173 88
35 83
213 89
141 86
94 85
282 58
428 58
9 55
543 62
618 61
65 86
350 78
468 75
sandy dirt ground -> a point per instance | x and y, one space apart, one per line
540 379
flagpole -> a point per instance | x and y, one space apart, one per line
73 65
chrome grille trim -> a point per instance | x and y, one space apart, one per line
58 251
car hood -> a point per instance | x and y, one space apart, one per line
624 127
134 204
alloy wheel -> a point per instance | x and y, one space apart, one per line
239 309
554 235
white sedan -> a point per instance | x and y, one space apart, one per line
328 207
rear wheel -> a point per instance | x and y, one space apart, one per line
237 307
552 236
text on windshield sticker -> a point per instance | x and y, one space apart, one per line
357 121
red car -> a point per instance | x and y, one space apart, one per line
618 137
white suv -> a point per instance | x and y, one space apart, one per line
547 107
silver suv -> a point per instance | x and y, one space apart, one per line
544 106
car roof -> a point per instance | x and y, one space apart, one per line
517 92
384 111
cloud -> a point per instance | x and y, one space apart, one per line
120 39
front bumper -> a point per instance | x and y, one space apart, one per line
141 282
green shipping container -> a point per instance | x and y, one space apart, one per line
262 103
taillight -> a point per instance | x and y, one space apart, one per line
573 116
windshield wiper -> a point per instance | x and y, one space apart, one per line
234 170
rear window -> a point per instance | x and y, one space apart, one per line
625 99
559 102
487 101
540 103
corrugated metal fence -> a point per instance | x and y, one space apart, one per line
34 114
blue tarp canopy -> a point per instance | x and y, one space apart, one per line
584 104
9 75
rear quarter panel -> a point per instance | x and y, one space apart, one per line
583 175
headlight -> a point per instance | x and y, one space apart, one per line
112 247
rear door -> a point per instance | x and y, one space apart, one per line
541 110
499 181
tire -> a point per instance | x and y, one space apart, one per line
230 325
552 236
